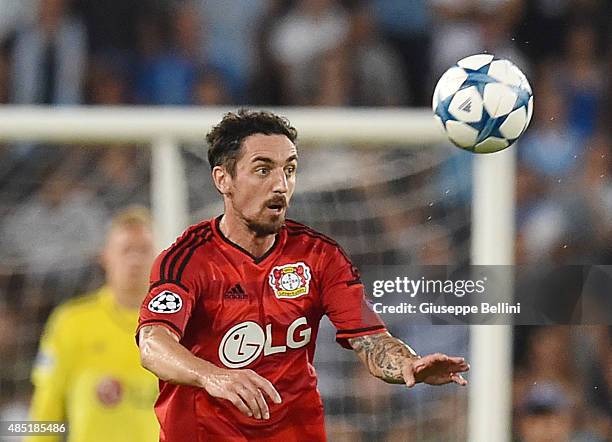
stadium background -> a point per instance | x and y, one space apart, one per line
385 205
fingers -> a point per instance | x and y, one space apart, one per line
440 357
263 405
257 395
456 359
266 386
254 400
408 373
458 365
245 389
463 367
439 369
458 379
251 389
432 359
428 361
454 364
239 404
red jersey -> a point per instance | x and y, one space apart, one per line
262 313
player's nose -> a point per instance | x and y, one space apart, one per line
280 184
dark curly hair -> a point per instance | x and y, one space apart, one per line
225 139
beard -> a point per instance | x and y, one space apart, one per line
265 228
263 223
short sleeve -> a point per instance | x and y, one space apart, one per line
172 291
344 301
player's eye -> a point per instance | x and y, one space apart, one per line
290 170
262 171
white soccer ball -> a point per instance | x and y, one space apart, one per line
483 103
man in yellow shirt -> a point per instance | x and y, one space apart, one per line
88 370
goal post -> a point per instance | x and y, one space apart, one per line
183 124
493 208
165 128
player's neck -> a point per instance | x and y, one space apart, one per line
240 234
129 298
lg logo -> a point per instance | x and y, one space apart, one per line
244 342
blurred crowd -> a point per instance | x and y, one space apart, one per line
344 53
294 52
320 53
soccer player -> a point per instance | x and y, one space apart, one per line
88 371
230 322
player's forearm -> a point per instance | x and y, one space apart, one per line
164 356
384 355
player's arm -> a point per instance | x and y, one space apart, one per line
163 355
393 361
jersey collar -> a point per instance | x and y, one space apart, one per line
126 318
256 259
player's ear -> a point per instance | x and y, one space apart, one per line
222 179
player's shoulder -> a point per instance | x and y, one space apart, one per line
306 233
172 263
75 309
196 230
192 236
80 303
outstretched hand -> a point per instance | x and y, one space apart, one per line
435 369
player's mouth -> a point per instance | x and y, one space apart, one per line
276 205
275 208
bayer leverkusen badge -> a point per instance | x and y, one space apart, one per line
290 281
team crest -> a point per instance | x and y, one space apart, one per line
290 280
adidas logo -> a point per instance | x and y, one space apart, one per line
466 106
236 292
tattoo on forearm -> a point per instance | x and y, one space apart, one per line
384 355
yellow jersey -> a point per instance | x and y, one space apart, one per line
88 374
